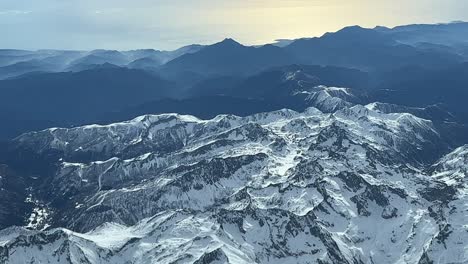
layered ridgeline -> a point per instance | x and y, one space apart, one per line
414 65
371 173
359 185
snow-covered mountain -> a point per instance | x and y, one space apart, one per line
354 186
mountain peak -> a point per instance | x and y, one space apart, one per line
228 42
354 30
358 34
381 28
107 65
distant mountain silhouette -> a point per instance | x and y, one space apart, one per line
11 56
228 58
148 63
14 63
365 49
151 62
21 68
451 34
101 57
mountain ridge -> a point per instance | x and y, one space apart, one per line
261 162
228 153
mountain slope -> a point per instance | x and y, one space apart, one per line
366 49
356 186
76 98
228 58
369 166
420 87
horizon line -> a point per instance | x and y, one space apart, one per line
276 41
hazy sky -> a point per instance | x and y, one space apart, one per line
168 24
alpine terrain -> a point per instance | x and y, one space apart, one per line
354 186
350 148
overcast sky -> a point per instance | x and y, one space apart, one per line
169 24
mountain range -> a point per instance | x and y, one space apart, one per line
346 148
393 63
355 186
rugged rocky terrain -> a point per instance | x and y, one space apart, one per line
359 185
